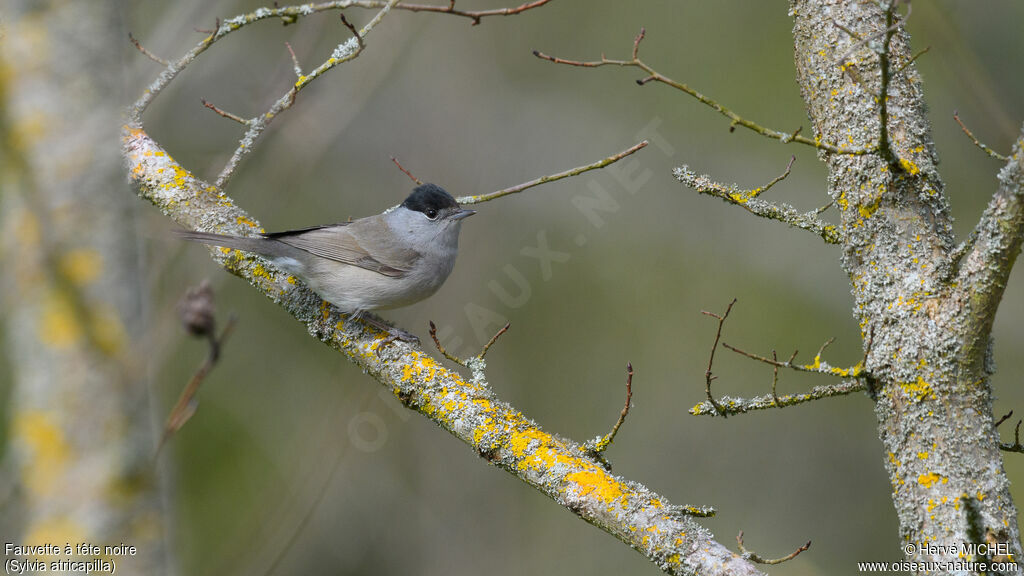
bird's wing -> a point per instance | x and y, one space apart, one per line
340 242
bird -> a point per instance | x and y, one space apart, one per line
390 260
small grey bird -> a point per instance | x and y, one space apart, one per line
385 261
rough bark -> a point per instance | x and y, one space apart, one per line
80 430
925 312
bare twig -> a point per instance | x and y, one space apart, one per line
147 53
545 179
467 363
406 172
862 41
884 147
352 29
600 444
753 557
475 16
1016 446
708 377
749 201
818 367
851 33
493 339
1003 419
295 61
654 75
855 379
775 377
225 113
440 348
913 58
977 142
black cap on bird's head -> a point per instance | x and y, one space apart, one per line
427 196
433 202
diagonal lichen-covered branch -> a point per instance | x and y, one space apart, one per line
469 410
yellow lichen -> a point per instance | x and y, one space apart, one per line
47 449
596 483
246 221
59 327
918 390
909 167
81 265
54 530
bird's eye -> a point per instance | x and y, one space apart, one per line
431 213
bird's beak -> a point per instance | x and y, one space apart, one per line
463 214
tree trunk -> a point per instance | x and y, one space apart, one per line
925 308
81 435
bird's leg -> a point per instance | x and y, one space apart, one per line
393 332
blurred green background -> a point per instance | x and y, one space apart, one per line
287 427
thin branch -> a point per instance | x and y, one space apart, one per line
654 75
863 41
913 58
1016 446
440 348
295 61
885 74
225 113
406 172
545 179
467 363
855 379
731 406
344 52
475 16
493 339
977 142
753 557
749 201
147 53
818 367
1003 419
708 377
600 444
850 32
352 29
775 377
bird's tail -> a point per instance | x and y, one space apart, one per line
251 244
